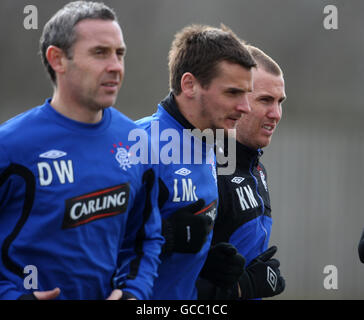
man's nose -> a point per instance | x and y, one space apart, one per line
115 64
275 112
243 105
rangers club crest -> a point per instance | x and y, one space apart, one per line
122 156
262 177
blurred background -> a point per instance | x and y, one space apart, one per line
314 163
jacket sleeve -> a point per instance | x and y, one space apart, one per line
139 255
8 289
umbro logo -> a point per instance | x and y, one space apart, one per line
272 278
183 172
237 180
52 154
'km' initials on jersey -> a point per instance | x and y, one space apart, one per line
244 194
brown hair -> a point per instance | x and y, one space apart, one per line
60 29
264 61
198 49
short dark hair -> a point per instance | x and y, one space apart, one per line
59 31
264 61
199 49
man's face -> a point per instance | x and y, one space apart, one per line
95 72
255 129
224 101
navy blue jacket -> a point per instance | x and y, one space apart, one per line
244 205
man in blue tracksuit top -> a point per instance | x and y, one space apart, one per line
244 218
79 218
210 76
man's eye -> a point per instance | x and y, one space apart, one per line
234 92
265 100
100 51
120 53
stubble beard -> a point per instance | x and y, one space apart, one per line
205 114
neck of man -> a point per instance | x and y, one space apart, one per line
190 111
68 107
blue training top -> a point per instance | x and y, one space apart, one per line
73 206
186 183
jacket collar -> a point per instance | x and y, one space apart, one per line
170 105
245 156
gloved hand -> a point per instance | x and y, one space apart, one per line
223 266
361 247
262 277
184 231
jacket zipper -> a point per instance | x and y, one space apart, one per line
261 201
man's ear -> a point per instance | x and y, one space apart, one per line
56 58
189 84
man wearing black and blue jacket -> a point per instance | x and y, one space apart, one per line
210 76
244 222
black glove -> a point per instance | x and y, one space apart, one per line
361 248
127 295
184 231
262 277
223 266
28 296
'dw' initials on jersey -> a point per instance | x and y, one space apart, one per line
63 170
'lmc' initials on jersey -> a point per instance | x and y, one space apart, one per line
188 190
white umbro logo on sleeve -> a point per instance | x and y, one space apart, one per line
237 180
183 172
53 154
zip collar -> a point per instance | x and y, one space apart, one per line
245 156
170 105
